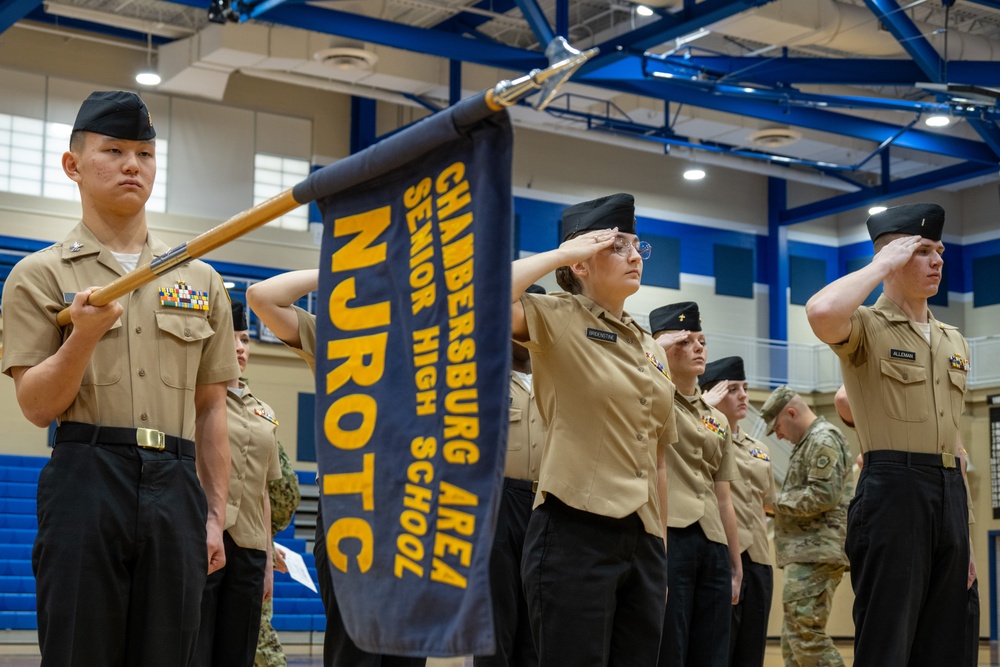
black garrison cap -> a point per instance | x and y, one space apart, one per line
727 368
535 289
683 315
617 210
240 322
115 113
923 219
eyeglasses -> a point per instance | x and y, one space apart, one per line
624 247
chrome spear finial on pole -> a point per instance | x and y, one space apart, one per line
564 60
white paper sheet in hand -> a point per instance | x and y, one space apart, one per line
296 567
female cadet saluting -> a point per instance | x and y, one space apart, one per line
594 562
724 386
705 569
233 596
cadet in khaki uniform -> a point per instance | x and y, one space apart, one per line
525 443
810 522
970 655
273 300
283 495
120 558
594 561
231 603
705 569
905 374
724 386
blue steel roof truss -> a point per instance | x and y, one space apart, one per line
758 87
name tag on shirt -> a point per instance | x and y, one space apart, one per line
903 354
602 335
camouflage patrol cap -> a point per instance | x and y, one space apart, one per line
774 404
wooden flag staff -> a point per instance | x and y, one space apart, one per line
335 177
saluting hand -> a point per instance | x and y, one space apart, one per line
715 395
898 252
587 245
668 339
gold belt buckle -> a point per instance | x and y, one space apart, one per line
534 486
948 460
149 438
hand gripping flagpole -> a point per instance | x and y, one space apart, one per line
358 168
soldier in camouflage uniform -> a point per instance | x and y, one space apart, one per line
810 526
284 495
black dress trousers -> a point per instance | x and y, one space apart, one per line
748 636
120 558
515 645
595 587
908 543
230 609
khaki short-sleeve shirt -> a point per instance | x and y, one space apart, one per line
176 332
307 337
525 435
905 394
702 456
607 403
253 450
753 490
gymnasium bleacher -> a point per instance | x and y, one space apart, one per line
298 612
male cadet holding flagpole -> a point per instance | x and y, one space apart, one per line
905 374
273 300
120 558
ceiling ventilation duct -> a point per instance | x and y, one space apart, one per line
774 137
346 58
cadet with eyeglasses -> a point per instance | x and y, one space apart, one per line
594 562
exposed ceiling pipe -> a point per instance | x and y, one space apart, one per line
71 35
330 85
842 27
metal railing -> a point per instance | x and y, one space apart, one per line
808 367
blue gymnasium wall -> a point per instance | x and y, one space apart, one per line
691 249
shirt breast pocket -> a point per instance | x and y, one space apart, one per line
181 338
514 444
106 363
904 391
957 393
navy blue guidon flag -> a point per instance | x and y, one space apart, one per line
412 376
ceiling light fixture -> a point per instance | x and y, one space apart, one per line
875 209
643 10
148 76
694 174
937 120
